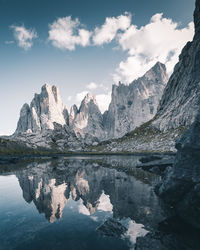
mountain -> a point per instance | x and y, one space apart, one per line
88 120
134 104
45 123
45 109
177 109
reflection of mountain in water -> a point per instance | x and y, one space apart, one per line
50 185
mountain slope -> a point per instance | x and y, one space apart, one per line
134 104
178 107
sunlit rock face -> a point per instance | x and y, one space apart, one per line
45 109
88 120
72 114
134 104
51 185
181 99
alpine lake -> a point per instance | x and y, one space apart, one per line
84 202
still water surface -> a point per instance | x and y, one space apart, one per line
77 203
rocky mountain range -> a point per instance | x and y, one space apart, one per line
149 114
47 123
177 109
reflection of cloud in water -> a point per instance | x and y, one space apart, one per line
104 203
82 209
134 231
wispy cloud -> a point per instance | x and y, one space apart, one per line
65 33
24 36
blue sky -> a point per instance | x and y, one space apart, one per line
83 46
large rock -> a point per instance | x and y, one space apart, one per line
134 104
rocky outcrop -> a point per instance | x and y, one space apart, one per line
45 109
181 186
134 104
88 120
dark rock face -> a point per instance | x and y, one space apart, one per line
181 185
197 19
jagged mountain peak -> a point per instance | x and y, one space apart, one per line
158 72
136 103
53 90
88 120
45 109
73 113
90 97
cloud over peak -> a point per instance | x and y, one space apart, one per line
65 33
24 36
160 40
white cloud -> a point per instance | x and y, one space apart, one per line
103 101
65 33
92 86
80 96
108 31
160 40
24 36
